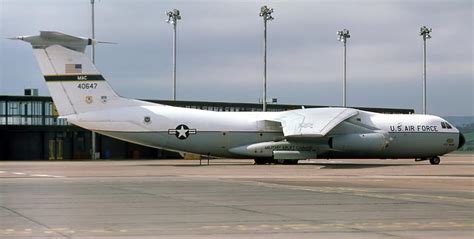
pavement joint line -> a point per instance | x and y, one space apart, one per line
438 197
344 190
311 227
352 226
31 220
363 193
219 205
31 175
330 177
60 229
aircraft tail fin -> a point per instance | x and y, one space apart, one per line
74 83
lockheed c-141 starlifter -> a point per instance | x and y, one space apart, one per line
83 96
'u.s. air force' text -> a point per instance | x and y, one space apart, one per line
413 128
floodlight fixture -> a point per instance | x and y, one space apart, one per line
173 16
425 32
266 13
343 35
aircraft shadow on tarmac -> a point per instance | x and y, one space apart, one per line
322 165
204 163
356 165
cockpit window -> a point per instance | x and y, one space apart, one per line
446 125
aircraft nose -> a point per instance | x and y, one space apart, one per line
462 140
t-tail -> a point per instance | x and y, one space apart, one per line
74 82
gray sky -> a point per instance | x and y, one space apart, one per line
220 50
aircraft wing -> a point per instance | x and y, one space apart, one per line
315 122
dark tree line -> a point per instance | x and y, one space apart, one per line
466 128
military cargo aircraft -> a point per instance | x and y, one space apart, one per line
83 96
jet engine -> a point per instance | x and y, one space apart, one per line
369 142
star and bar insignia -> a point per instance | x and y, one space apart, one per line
182 131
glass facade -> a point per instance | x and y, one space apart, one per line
3 117
16 111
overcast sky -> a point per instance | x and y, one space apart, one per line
220 50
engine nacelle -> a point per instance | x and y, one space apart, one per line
370 142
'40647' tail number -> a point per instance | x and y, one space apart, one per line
87 86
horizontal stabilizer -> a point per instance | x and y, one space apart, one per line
50 38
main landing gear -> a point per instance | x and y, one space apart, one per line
433 160
260 161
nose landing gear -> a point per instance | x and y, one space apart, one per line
260 161
435 160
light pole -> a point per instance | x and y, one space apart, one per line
93 61
173 17
266 14
343 36
93 30
425 33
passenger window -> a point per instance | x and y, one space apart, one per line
443 125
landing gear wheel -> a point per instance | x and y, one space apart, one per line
290 162
261 161
435 160
285 161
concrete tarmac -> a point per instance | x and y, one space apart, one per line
236 199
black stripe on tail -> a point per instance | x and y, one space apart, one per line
74 78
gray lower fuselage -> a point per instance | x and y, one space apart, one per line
404 145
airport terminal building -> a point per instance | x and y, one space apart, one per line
30 129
